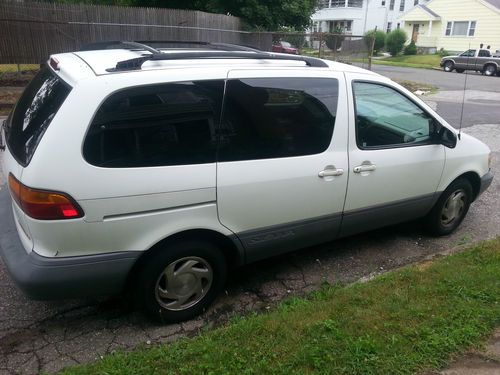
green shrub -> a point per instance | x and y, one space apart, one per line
442 52
410 49
395 41
334 42
379 39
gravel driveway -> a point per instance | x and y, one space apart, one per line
36 336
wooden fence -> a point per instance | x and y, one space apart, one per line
30 32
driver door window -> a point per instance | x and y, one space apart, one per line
386 119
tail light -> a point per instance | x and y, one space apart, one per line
43 204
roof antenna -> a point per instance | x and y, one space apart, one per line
463 97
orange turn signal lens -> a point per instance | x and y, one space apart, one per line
43 204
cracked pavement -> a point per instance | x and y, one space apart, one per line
48 336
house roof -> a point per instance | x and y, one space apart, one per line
432 13
495 3
420 12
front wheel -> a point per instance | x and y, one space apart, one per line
450 209
181 281
448 66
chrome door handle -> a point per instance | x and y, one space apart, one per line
365 168
331 172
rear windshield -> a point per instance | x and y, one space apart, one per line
33 113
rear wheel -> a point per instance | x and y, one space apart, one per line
448 66
181 281
450 209
490 70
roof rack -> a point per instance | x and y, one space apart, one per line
136 63
191 43
147 45
118 44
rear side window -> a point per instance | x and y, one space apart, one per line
277 117
160 125
33 113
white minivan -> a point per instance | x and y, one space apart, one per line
156 170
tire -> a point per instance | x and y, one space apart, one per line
490 70
460 70
450 209
188 293
448 66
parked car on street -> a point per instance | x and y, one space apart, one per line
284 47
155 171
481 60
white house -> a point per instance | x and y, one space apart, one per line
358 16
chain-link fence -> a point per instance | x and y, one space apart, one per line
345 48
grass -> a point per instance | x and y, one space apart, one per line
411 61
403 322
414 86
12 68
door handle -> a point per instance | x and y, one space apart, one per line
365 168
331 171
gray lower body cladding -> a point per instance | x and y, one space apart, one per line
65 277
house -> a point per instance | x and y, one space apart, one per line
356 17
454 25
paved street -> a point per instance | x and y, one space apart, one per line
47 336
482 98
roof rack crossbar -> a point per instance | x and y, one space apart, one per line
211 45
136 63
119 44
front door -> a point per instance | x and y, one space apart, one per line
394 164
414 35
282 161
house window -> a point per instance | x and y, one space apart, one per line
472 28
355 3
337 4
346 26
460 28
402 6
389 27
323 4
383 3
415 2
391 4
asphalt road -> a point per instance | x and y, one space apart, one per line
481 104
46 336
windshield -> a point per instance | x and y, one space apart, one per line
33 113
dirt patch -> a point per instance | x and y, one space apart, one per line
15 79
8 97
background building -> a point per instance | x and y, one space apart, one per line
358 16
454 25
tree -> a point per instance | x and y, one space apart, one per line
379 39
395 41
267 14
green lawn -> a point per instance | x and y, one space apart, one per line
11 68
412 61
403 322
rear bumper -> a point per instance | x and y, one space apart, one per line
485 182
64 277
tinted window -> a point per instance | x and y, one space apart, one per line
277 117
484 53
159 125
33 113
384 117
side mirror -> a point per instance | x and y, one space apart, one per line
447 138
